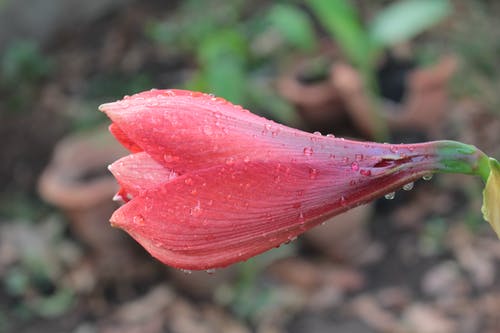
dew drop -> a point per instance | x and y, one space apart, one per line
186 271
343 201
427 177
390 196
345 159
408 187
188 181
196 210
308 151
354 166
330 135
359 157
246 159
292 238
210 271
365 172
211 95
207 130
317 133
152 103
138 219
230 161
313 173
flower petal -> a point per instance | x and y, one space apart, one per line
188 131
491 197
124 139
218 216
138 173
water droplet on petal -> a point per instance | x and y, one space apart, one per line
330 135
138 219
196 210
390 196
186 271
211 95
365 172
207 129
408 187
343 201
210 271
427 177
246 159
230 161
188 181
359 157
313 173
354 166
308 151
317 133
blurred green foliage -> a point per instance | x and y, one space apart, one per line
22 68
236 53
34 281
362 43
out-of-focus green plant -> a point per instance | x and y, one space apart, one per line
22 67
396 23
364 44
294 26
235 52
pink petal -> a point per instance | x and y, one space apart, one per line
138 173
187 131
218 216
124 139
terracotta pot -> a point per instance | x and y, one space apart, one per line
77 181
327 104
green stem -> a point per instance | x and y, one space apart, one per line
458 157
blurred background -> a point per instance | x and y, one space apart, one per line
394 71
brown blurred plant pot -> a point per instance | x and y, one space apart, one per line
78 182
315 100
344 238
342 95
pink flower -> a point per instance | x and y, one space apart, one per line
209 184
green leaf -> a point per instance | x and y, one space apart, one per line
341 21
491 197
406 19
294 25
223 58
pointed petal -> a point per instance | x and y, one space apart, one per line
187 131
218 216
138 173
124 139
